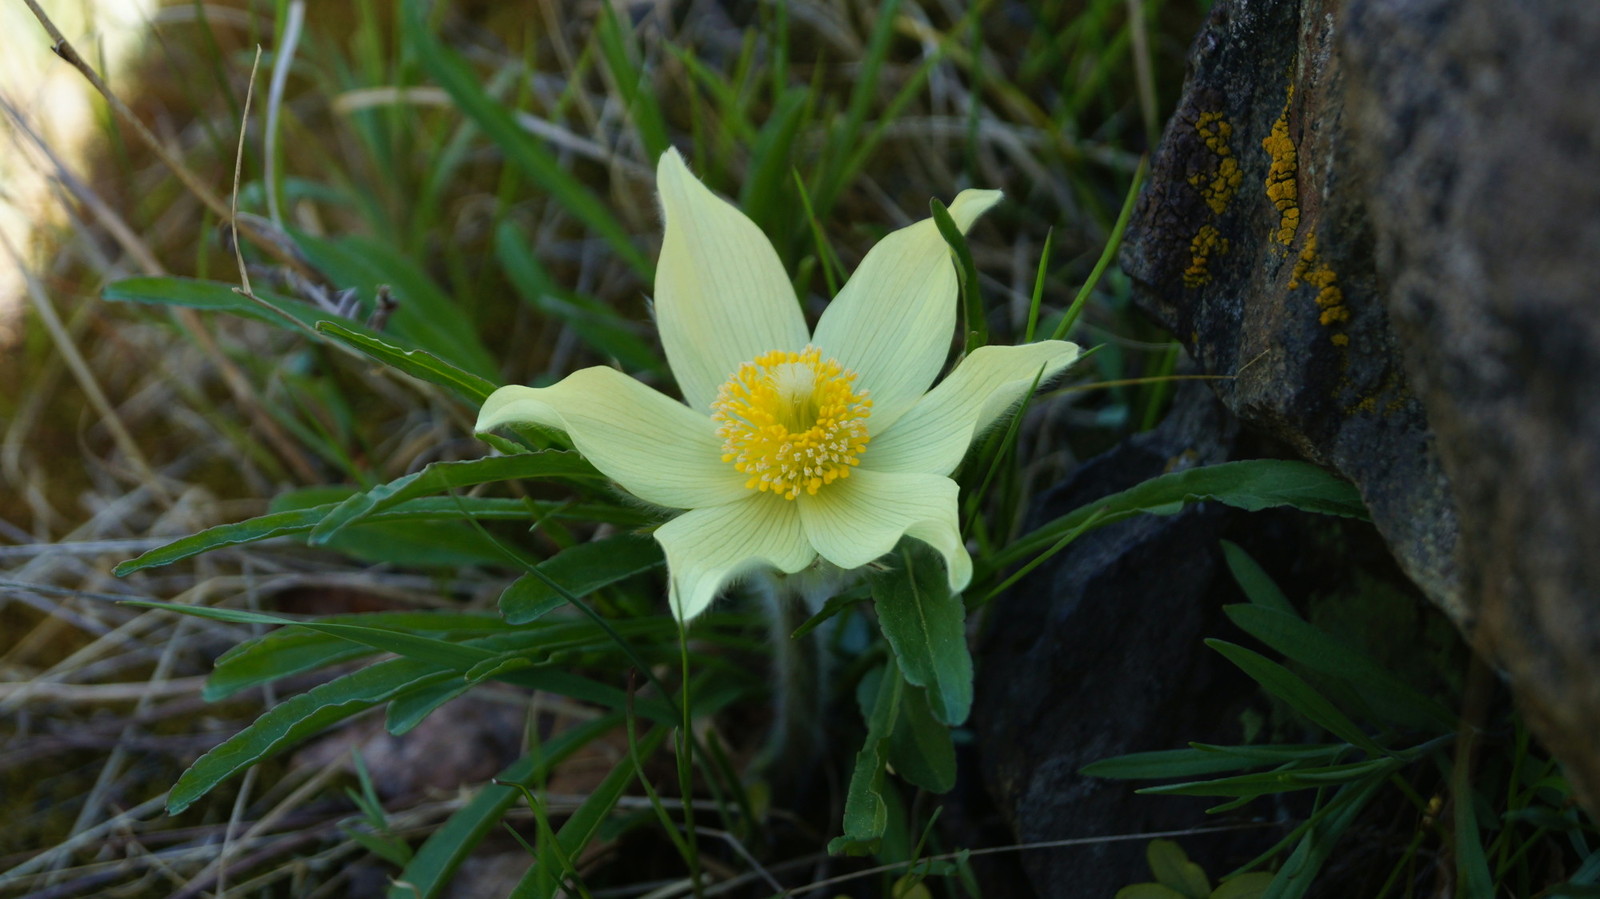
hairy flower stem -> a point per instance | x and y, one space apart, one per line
800 675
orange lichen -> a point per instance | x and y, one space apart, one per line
1207 242
1221 181
1309 269
1282 187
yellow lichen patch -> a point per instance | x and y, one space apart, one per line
1221 181
1309 269
1207 242
1282 188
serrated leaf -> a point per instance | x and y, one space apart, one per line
580 570
925 625
441 476
1252 485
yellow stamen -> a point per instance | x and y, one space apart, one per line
792 421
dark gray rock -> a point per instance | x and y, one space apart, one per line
1382 218
1477 125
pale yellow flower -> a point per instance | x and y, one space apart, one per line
790 444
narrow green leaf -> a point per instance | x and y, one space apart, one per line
1300 869
925 626
579 570
521 149
297 718
442 476
424 315
295 650
977 328
1251 485
1257 585
419 364
214 296
1147 891
1280 781
292 522
1165 764
1304 644
597 325
437 859
1244 886
1286 685
542 879
408 710
639 101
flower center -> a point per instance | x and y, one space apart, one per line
791 421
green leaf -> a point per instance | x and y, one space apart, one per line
1304 644
405 543
920 748
522 150
1165 764
1172 868
925 626
424 315
437 859
1288 686
1257 585
214 296
419 364
408 710
296 650
596 324
1148 891
300 717
543 879
866 809
299 521
441 476
579 570
1252 485
1244 886
1300 869
977 328
638 98
1281 781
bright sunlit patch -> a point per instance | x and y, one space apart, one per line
792 421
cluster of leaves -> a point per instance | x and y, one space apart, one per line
1331 685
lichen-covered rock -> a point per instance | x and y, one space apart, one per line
1381 219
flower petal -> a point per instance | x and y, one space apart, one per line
657 448
722 296
859 518
892 322
934 435
707 548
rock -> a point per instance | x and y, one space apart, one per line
1380 218
1477 127
1098 653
